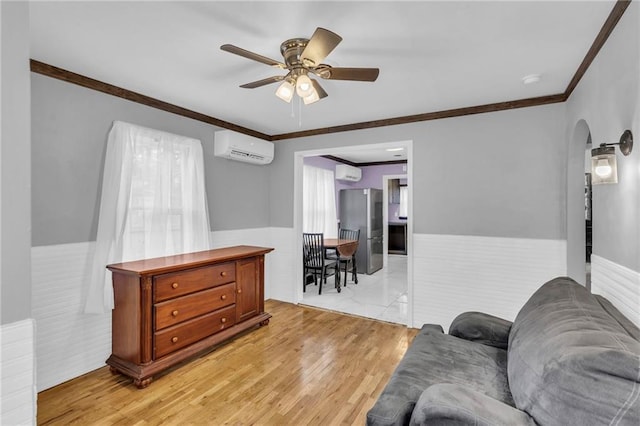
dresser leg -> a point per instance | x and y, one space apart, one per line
113 371
142 383
265 322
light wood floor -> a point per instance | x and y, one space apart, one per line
307 366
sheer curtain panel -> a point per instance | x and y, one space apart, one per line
319 202
404 202
153 203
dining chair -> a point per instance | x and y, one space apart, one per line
314 260
347 255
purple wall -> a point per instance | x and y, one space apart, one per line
371 178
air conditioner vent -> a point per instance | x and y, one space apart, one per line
241 147
348 173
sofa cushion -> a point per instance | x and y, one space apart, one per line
571 362
450 405
433 358
481 328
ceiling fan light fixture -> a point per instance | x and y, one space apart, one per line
313 97
285 91
304 87
303 57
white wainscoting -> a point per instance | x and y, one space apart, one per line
280 266
457 273
451 274
69 342
620 285
17 362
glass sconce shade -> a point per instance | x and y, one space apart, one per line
304 87
285 91
604 168
313 97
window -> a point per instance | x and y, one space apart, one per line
153 203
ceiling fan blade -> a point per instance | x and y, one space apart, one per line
250 55
340 73
321 43
319 89
263 82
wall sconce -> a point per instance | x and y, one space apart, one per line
604 167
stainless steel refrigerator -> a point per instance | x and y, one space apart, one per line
362 209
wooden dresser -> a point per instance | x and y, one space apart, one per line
170 308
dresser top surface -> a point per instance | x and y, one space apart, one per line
187 260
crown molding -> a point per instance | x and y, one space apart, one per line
612 20
100 86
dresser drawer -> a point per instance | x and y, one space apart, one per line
174 311
173 338
167 286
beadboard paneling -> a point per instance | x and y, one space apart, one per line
69 343
281 274
238 237
457 273
620 285
17 363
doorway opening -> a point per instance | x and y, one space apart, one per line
579 207
375 293
588 212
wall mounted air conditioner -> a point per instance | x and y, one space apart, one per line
241 147
348 173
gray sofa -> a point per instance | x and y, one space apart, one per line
569 358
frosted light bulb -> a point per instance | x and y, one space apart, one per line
603 168
303 86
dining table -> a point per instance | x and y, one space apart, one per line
344 247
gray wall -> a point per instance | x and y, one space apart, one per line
70 125
497 174
608 100
15 166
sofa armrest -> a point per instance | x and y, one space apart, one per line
482 328
449 404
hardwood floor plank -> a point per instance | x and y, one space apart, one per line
308 366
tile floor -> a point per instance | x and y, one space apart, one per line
382 295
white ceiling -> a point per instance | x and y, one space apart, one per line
432 56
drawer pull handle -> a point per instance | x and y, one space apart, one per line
239 290
174 313
223 273
223 297
174 285
174 340
223 320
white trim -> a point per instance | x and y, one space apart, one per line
298 161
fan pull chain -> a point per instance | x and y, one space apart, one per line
293 114
299 111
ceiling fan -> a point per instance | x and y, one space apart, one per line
303 57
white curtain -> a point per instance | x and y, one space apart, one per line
319 202
404 201
153 203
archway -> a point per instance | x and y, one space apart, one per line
576 232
